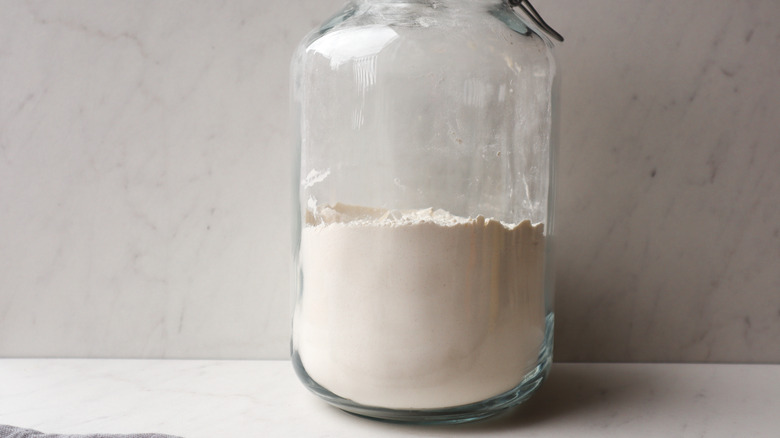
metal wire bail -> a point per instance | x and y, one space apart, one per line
530 11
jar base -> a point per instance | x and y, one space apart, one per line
449 415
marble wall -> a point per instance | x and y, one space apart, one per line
145 178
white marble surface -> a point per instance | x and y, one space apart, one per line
145 178
669 218
264 398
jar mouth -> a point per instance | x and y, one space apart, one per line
436 3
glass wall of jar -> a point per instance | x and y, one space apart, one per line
426 140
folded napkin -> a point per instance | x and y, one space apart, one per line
18 432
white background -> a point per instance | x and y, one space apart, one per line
146 188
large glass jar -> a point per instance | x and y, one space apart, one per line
423 262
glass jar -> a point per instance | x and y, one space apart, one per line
422 256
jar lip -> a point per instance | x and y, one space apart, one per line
434 2
528 10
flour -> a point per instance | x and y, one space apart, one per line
418 309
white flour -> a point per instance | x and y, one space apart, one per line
418 309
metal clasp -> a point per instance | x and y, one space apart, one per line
531 12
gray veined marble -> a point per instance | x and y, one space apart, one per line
669 212
145 163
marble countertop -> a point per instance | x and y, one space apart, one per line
207 398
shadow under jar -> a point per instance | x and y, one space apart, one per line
424 209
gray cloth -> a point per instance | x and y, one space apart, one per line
18 432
